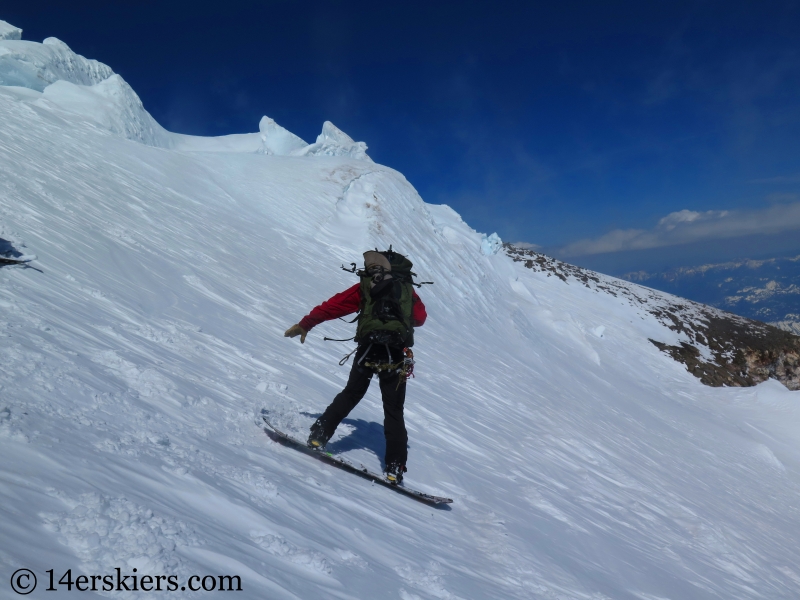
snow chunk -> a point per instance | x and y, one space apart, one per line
491 244
9 32
112 104
52 41
335 142
35 66
275 140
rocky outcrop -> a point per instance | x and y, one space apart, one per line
718 347
744 353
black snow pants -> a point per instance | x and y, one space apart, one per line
394 396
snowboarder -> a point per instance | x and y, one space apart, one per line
388 310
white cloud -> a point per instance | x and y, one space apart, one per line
673 220
686 226
527 246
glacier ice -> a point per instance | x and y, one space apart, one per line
335 142
277 140
491 244
71 83
9 32
35 66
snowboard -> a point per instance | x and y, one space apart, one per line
5 260
287 440
22 261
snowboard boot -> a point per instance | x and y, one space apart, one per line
394 473
318 437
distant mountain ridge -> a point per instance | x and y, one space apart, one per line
719 348
766 290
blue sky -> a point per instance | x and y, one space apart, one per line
616 135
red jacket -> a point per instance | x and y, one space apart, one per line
349 301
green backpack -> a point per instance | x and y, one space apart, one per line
387 299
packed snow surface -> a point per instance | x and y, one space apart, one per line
140 353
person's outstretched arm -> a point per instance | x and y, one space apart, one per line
342 304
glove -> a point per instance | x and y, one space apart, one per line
296 330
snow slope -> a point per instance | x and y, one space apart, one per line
583 462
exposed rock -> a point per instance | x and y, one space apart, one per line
745 353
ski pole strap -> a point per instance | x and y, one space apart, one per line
327 339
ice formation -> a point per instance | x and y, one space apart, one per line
9 32
277 140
